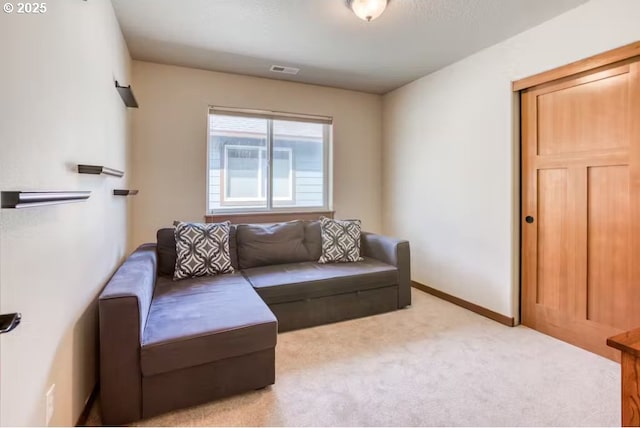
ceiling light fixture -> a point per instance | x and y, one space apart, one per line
367 10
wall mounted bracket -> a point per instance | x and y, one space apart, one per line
9 321
127 95
99 169
124 192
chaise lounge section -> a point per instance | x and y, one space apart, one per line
166 345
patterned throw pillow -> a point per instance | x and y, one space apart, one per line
202 249
340 240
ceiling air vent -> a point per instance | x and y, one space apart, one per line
284 70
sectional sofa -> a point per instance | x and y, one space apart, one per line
168 344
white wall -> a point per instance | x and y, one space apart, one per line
450 149
58 108
170 140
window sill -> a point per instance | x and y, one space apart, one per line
267 217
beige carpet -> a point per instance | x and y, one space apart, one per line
431 364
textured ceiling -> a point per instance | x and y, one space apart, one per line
323 38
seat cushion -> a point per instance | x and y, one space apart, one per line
201 320
307 280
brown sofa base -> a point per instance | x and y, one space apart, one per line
200 384
340 307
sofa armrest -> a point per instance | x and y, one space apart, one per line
394 252
123 307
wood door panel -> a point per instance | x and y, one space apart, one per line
585 117
584 334
609 246
553 227
591 158
581 180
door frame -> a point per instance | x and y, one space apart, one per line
589 64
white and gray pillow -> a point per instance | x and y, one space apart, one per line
340 240
202 249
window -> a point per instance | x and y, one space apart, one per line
267 162
245 175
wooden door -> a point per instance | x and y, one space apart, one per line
581 206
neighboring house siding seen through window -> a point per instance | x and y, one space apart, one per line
267 162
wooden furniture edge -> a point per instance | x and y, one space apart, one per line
628 342
480 310
605 58
629 345
268 217
84 416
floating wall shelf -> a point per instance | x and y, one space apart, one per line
99 169
36 199
127 95
124 192
9 321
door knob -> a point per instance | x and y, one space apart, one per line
528 219
9 321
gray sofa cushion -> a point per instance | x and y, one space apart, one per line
200 320
313 239
306 280
271 244
167 250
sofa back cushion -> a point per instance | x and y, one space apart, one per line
166 251
313 239
167 254
271 244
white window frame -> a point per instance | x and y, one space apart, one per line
262 154
327 162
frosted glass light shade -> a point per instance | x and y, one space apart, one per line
368 10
